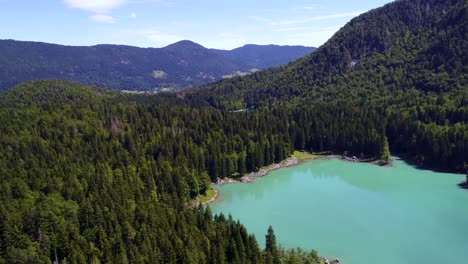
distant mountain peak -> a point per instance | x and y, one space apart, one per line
185 44
266 56
183 64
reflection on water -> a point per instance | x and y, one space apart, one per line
358 212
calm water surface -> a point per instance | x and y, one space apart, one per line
361 213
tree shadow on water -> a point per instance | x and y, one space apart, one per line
464 185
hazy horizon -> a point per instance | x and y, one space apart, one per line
158 23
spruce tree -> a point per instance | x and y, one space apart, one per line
385 155
271 249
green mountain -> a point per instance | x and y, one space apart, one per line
405 63
95 176
183 64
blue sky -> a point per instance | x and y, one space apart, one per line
157 23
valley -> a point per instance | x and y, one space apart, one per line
104 150
183 64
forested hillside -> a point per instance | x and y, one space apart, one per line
180 65
406 61
90 176
94 176
184 64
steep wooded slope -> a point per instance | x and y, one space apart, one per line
92 176
407 61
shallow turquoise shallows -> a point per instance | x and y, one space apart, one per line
360 213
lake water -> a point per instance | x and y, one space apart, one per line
360 213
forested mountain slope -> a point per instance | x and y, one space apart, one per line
92 176
183 64
407 61
180 65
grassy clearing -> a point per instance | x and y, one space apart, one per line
237 73
302 155
210 194
159 74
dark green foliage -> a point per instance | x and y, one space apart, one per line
181 65
89 176
92 175
271 249
402 66
385 153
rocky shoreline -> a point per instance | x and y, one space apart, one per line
250 177
292 161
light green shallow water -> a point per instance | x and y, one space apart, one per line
361 213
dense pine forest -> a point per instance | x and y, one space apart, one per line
403 66
183 64
93 176
90 176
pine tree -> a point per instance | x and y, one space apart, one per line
385 155
271 248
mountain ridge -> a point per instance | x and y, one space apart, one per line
403 62
93 176
183 64
259 56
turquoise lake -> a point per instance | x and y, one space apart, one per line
358 212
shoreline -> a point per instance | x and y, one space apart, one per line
212 199
289 162
297 158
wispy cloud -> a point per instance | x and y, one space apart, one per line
96 6
133 15
305 19
289 29
103 18
318 36
311 7
100 8
145 1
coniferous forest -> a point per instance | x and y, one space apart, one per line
93 176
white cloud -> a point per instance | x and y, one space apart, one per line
133 15
311 7
315 38
96 6
145 1
306 19
101 18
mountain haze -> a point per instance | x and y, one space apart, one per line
265 56
184 64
